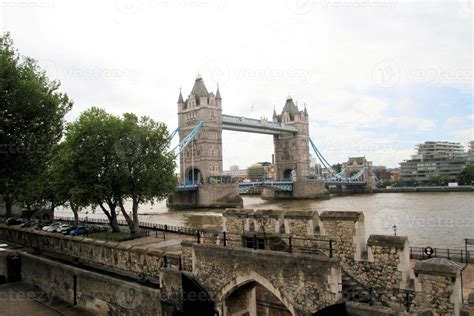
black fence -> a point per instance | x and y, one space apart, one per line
288 244
152 226
460 255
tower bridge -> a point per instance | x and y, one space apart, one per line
201 123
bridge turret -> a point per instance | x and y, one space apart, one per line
206 159
292 149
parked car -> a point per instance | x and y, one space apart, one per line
27 224
13 221
81 230
52 227
68 230
62 227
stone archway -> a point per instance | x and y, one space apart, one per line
288 175
251 293
193 176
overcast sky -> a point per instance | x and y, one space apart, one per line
377 76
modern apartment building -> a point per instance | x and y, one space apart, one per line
436 159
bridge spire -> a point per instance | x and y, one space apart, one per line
180 99
218 93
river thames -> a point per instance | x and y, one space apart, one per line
439 220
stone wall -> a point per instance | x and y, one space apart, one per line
304 189
383 263
438 287
110 255
303 283
96 292
309 189
219 195
208 195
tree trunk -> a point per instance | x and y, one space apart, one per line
131 221
111 216
8 205
75 211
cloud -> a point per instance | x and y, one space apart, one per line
454 122
135 56
463 135
410 122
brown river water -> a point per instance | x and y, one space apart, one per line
439 220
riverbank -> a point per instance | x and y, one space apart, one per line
460 188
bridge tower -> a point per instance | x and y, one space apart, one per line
203 157
292 149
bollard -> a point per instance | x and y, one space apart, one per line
74 281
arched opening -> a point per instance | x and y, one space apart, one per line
254 295
196 300
288 175
193 176
254 299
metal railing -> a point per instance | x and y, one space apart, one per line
152 226
290 244
460 255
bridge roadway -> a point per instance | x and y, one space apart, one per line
274 185
244 124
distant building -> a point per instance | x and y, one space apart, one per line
394 173
381 172
234 168
261 171
436 159
471 146
238 175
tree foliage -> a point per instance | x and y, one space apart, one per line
466 176
31 124
119 163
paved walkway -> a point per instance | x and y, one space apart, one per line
19 298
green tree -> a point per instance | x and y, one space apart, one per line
466 176
119 160
63 185
31 124
337 167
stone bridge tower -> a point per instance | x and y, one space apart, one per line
205 152
292 149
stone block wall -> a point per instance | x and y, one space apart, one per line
98 293
383 263
303 283
111 255
235 220
187 255
438 288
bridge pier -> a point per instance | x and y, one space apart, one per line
305 189
207 196
349 189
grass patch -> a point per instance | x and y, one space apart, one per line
110 236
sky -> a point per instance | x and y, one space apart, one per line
377 76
